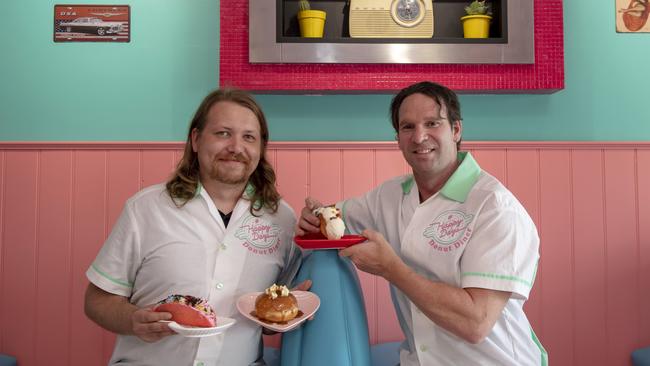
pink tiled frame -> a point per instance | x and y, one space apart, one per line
546 75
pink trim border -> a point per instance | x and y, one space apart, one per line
326 145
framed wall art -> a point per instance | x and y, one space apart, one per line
632 16
92 23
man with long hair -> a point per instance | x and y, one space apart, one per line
216 230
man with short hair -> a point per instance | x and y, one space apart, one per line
216 230
458 249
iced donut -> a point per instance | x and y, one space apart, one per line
188 310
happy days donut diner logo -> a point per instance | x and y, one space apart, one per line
259 236
449 231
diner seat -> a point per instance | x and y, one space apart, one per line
383 354
641 357
6 360
338 334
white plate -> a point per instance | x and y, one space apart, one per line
223 323
308 303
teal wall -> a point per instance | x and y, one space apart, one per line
147 90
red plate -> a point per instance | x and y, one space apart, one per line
318 241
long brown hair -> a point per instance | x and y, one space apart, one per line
184 183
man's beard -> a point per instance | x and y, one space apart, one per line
221 173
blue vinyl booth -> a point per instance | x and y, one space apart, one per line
641 357
338 334
7 360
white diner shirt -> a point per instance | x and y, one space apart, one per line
157 249
472 233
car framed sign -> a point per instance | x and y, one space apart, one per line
92 23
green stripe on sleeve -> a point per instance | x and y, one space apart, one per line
121 283
498 277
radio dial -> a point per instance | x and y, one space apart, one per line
407 13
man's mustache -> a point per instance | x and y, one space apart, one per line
236 157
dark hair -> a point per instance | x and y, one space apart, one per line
441 94
183 185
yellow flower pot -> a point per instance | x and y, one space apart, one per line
311 23
476 26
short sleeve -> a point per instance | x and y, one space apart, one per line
114 268
502 253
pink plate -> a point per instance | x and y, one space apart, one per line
308 303
318 241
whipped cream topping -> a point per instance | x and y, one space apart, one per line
274 291
335 227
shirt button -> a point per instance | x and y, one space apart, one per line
423 348
219 286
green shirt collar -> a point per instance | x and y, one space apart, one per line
249 191
460 183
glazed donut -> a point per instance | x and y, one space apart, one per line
276 304
188 310
331 223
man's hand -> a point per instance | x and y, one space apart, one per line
374 256
147 327
115 313
308 222
302 286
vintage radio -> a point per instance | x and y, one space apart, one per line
391 18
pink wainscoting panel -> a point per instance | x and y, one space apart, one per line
122 181
358 168
526 187
590 201
53 258
293 177
156 166
492 161
390 163
325 176
622 255
89 212
643 173
18 302
556 265
589 254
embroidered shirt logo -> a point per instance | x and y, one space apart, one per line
449 231
259 236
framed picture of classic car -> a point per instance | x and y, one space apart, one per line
92 23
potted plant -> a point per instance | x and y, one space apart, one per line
476 24
311 22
